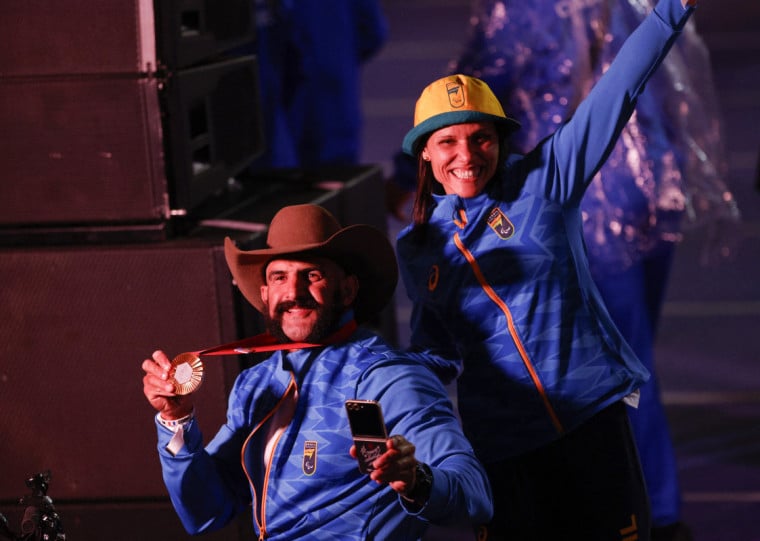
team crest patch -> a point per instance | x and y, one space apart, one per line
455 92
500 224
309 457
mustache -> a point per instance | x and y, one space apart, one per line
306 302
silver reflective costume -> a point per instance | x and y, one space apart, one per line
666 172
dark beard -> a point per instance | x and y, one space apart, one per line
327 318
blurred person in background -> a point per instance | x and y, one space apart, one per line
310 55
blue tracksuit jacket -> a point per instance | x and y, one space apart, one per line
312 488
500 283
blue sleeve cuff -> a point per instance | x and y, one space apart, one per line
673 13
193 439
438 499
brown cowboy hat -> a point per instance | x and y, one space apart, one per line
310 230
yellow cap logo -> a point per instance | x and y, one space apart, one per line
455 92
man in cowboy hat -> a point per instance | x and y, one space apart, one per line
286 448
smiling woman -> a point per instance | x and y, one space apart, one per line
496 268
457 110
463 157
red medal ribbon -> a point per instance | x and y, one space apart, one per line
187 368
266 342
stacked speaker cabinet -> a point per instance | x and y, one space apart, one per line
118 115
115 117
77 323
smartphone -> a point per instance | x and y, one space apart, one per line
368 431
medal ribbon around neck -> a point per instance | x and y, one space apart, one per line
186 372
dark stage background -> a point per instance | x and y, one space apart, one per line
113 208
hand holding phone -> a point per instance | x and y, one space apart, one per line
368 431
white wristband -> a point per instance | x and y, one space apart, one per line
178 427
175 424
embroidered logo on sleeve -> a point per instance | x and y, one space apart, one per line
309 457
500 224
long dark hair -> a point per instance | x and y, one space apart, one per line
423 197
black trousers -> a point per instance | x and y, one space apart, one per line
587 485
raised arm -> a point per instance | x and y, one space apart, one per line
580 147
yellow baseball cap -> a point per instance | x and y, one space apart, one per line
455 99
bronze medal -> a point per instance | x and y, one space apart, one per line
186 373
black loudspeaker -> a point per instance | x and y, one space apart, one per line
130 36
77 37
77 323
102 133
195 31
95 151
80 150
213 127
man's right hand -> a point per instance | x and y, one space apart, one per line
160 391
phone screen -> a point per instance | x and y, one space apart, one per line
368 430
365 418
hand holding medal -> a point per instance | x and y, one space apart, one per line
166 384
186 373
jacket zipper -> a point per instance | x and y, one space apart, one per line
512 331
262 523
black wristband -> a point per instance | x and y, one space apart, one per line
423 484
